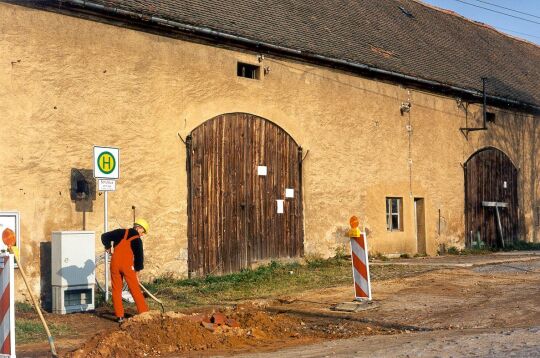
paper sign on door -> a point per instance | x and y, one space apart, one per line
280 206
261 170
289 193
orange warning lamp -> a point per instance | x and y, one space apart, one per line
8 237
355 230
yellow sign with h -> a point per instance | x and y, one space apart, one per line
106 160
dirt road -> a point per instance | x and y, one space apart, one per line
487 310
518 342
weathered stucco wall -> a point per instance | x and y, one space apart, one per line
67 84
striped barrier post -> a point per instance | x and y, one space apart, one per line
7 309
360 262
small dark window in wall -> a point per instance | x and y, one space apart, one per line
394 214
490 117
248 71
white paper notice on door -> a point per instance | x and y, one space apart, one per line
289 193
261 170
280 206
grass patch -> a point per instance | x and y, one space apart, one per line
452 250
24 307
29 330
523 246
378 256
274 279
475 251
262 282
515 246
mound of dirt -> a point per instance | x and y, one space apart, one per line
242 328
156 334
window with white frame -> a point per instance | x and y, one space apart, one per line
394 208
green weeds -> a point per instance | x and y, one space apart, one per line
523 246
24 307
30 330
515 246
272 280
263 282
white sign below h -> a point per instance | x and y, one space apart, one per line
106 185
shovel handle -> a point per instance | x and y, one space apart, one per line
36 306
152 296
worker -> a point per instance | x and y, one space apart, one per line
127 260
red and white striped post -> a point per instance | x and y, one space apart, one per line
360 262
7 307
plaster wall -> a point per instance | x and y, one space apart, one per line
67 84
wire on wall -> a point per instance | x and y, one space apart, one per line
409 132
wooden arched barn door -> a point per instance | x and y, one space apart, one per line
491 201
235 218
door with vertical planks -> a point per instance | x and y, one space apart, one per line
232 207
491 177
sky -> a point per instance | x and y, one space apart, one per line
512 23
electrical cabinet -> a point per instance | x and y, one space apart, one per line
73 271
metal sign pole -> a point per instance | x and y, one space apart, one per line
106 169
105 228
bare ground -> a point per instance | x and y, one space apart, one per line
488 309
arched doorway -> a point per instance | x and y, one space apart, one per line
491 202
239 166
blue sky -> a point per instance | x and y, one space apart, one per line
472 9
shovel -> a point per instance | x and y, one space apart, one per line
153 297
8 237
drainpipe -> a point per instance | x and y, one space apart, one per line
484 97
207 32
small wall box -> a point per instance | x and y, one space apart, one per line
73 268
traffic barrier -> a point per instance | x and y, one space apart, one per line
360 262
7 307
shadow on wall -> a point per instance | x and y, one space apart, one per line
76 276
83 191
45 275
73 274
513 134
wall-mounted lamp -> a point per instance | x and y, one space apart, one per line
266 70
405 107
260 58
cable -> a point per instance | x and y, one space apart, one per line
507 8
498 12
517 32
517 11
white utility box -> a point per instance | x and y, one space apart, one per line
73 267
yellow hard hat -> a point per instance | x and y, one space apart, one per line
142 223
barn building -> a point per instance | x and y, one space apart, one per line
253 130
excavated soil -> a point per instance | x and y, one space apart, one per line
156 334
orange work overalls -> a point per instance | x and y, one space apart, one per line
122 268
